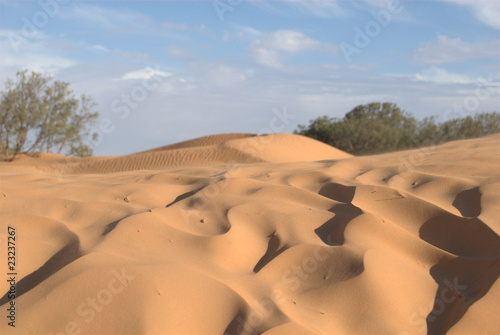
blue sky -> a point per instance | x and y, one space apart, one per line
167 71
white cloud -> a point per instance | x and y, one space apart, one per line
247 30
441 76
287 40
270 58
222 75
487 12
244 34
99 48
451 50
268 48
45 63
32 54
146 73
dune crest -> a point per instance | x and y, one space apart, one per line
205 151
244 234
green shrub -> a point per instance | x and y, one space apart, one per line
381 127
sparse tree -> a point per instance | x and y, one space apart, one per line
39 116
469 127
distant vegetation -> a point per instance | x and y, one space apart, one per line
39 116
381 127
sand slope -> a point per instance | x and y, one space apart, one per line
224 149
243 234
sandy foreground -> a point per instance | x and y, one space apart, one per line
242 234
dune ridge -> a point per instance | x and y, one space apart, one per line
243 234
222 149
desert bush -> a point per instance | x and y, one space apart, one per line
38 115
381 127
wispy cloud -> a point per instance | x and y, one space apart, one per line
38 54
105 17
120 21
318 8
99 48
246 32
452 50
441 76
269 48
487 12
220 74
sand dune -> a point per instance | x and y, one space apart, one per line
224 149
244 234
